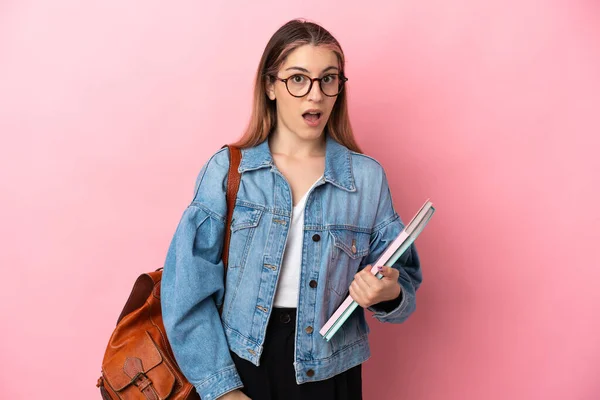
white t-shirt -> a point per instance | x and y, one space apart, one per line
286 294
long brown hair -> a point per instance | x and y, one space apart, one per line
263 120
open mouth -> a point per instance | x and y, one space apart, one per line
312 118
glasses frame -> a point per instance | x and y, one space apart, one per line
341 77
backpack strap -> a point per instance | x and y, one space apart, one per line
233 184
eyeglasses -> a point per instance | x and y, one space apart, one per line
299 85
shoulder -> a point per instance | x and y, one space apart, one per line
365 167
211 181
372 182
219 160
366 161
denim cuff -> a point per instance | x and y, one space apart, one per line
390 305
219 383
394 310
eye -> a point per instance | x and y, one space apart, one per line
329 78
297 78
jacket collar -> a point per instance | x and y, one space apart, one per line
338 165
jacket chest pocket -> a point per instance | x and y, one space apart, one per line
347 252
244 222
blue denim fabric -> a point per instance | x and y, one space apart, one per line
349 221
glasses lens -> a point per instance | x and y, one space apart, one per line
298 85
331 85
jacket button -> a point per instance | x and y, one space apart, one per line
309 329
316 237
312 284
310 373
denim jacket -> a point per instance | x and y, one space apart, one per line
349 221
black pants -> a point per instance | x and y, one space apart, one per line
275 378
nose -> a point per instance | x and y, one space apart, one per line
315 93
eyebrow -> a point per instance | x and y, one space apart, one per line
308 72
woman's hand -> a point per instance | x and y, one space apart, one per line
367 290
234 395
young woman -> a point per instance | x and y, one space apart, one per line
312 214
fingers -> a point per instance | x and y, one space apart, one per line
389 272
358 295
367 290
366 279
364 288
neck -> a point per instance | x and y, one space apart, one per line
290 144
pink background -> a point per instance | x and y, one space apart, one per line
490 108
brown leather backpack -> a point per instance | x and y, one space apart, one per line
138 362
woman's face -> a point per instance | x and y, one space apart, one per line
305 116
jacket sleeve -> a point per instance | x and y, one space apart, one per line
192 287
388 226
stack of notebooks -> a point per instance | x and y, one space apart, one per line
388 258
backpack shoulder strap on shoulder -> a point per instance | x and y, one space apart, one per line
233 184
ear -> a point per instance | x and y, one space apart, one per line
270 88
